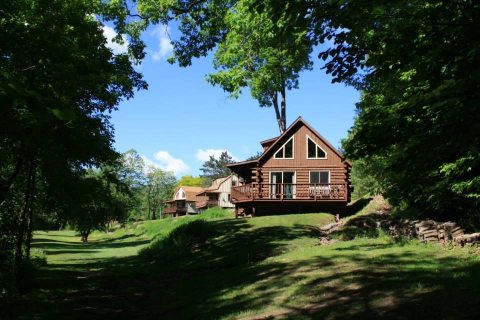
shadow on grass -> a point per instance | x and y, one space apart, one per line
229 272
53 245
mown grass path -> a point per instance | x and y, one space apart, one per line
260 268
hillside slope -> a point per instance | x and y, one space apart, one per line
266 267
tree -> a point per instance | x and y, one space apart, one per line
101 199
160 187
192 181
366 175
265 55
216 168
255 156
252 50
418 111
58 82
132 171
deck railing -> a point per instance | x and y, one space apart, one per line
170 210
289 191
206 203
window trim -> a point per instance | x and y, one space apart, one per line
306 148
310 177
283 147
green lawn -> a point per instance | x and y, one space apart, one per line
260 268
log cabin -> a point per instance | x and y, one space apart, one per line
299 171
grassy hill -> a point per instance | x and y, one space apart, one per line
260 268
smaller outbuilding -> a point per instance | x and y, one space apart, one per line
184 201
218 194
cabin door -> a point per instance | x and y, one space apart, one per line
288 185
282 185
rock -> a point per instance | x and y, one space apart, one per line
329 226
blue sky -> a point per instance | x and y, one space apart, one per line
181 118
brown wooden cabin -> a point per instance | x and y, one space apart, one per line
299 171
216 195
184 201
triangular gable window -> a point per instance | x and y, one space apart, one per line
286 151
314 151
180 194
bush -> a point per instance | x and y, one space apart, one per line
38 258
14 281
7 290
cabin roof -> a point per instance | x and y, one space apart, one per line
273 143
290 129
213 188
268 141
190 192
242 163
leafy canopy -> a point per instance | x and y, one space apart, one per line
192 181
251 49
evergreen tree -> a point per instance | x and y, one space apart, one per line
216 168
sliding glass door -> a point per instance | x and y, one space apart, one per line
282 185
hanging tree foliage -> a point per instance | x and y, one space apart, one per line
58 82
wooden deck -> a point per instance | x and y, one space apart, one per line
289 192
175 210
207 203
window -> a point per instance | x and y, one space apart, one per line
322 177
182 194
314 151
286 151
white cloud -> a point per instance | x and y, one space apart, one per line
165 161
204 155
117 48
149 164
165 46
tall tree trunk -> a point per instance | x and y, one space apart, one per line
28 193
283 112
277 112
149 202
84 235
6 188
31 210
